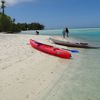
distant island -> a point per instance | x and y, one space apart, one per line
8 25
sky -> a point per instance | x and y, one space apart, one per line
55 13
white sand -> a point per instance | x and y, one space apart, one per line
25 73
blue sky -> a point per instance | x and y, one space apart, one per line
56 13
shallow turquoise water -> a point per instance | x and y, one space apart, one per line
92 34
81 79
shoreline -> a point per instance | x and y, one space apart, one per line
26 73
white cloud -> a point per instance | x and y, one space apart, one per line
13 2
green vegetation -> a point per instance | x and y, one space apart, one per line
30 26
8 25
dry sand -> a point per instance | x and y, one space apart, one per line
25 73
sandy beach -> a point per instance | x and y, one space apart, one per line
28 74
25 73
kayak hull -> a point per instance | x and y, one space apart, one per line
50 49
71 44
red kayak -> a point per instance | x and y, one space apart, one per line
50 49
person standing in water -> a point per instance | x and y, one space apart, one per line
65 32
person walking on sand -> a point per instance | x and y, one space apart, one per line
65 32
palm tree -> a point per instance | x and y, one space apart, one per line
3 6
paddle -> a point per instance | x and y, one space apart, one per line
74 51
